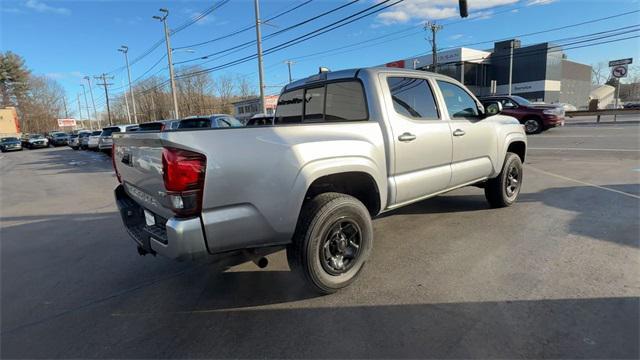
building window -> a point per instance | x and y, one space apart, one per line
413 98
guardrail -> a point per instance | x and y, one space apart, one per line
598 113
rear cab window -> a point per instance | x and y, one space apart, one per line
330 102
109 131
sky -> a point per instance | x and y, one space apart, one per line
67 40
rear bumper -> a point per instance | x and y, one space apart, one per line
180 239
105 146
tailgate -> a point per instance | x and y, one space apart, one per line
138 158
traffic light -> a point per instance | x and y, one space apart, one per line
464 12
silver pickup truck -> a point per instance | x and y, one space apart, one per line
345 146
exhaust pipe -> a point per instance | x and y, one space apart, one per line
260 262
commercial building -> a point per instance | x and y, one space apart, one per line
9 122
539 72
245 109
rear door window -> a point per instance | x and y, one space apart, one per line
413 98
338 101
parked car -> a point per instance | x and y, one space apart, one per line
260 120
74 139
535 117
632 105
35 141
58 139
211 121
10 144
160 125
92 141
345 147
105 142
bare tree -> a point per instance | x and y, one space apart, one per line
42 104
245 89
599 73
225 88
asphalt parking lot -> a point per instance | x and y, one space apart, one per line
556 275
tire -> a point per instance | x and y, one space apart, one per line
328 222
533 126
501 191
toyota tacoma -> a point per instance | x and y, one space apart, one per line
344 147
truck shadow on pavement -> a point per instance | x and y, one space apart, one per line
64 160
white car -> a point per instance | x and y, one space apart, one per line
94 140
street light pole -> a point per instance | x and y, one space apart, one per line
86 104
125 49
95 113
260 67
169 58
510 65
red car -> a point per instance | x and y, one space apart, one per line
535 117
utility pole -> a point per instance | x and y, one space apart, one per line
104 78
80 108
95 113
86 105
289 63
510 65
260 67
64 102
169 58
125 49
434 28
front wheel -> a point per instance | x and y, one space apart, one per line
503 190
332 241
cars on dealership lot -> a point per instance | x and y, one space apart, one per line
34 141
209 121
74 139
535 117
10 143
260 120
105 142
632 105
160 125
58 139
83 138
92 140
373 140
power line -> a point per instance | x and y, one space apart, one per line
252 42
199 17
245 29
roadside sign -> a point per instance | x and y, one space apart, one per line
619 71
620 62
395 64
66 122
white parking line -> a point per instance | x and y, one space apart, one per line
585 149
583 182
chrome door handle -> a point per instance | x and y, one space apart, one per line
406 137
459 132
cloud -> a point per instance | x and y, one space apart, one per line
540 2
436 9
41 7
456 36
64 75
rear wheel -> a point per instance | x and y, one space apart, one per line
332 241
533 125
503 190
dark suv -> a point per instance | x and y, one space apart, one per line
535 117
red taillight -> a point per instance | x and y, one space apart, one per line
113 162
183 174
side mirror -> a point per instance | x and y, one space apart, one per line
492 108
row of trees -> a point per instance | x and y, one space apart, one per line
197 95
41 100
38 99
